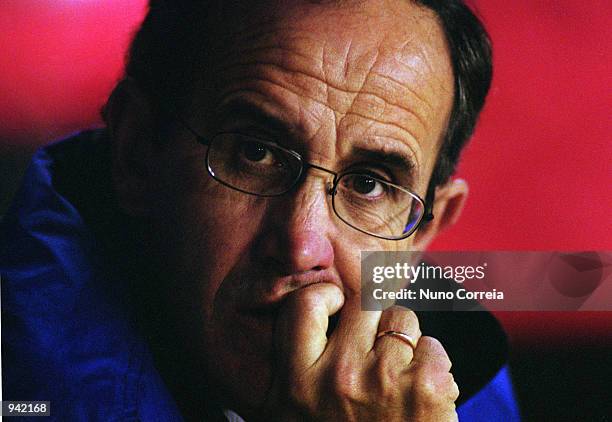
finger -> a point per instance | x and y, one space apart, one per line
302 325
431 354
356 331
454 391
432 382
394 349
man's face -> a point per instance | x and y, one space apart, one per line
328 82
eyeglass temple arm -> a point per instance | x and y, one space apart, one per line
202 140
429 202
177 117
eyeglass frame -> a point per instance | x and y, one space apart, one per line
305 165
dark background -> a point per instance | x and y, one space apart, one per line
538 167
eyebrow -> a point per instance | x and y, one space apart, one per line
240 108
396 159
243 109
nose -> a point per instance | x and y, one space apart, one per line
296 233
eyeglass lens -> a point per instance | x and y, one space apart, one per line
365 202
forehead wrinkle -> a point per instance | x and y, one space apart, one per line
291 28
324 91
375 108
290 59
387 79
343 144
426 54
363 136
289 45
403 114
306 120
396 92
279 92
341 69
297 49
417 60
383 117
302 119
295 86
301 67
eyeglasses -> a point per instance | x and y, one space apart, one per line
364 201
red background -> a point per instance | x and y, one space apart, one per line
538 167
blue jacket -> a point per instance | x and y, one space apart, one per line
67 332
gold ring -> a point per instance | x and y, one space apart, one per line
402 336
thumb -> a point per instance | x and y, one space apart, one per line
302 326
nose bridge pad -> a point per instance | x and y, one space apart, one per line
329 187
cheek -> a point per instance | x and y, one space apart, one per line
208 234
348 247
347 253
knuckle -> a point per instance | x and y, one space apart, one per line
400 317
433 387
436 356
432 345
448 387
410 315
387 375
424 386
455 391
442 364
345 380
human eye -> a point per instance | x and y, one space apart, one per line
254 155
251 156
256 152
365 185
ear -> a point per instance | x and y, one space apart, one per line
130 123
449 202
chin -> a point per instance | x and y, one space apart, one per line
241 379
